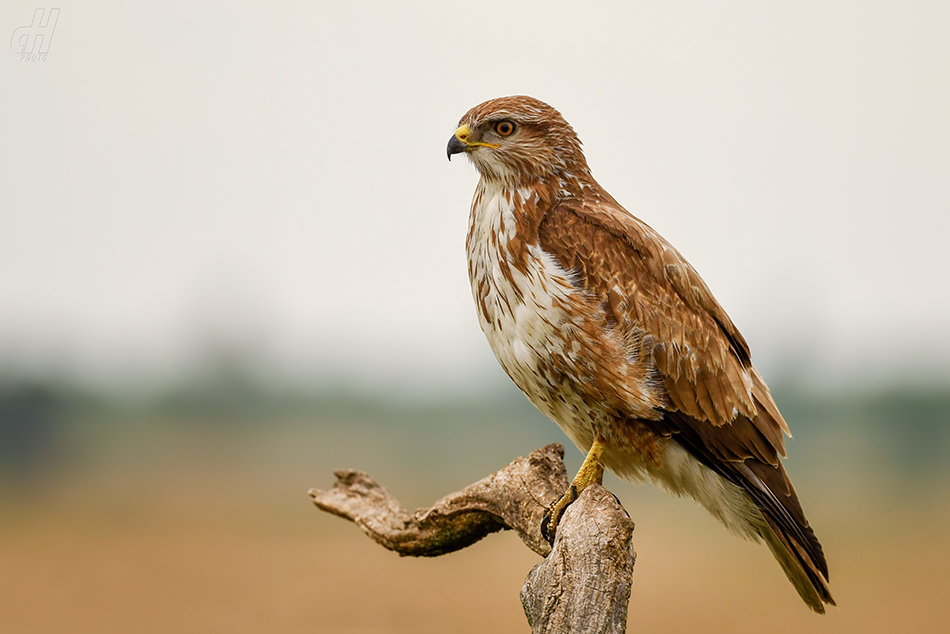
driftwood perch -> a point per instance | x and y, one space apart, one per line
584 582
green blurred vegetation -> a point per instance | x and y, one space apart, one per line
50 431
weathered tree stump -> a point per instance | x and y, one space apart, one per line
584 582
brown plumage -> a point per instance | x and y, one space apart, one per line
612 334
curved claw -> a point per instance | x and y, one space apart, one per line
545 523
552 517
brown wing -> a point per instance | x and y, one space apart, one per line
719 408
638 276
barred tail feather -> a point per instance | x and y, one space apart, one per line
805 575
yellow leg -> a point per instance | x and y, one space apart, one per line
591 472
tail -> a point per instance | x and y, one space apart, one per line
787 533
810 577
762 499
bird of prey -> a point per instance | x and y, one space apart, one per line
611 333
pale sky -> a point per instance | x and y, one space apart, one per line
273 176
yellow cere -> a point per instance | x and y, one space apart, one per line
462 135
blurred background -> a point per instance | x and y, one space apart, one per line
232 261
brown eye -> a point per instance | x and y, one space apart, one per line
504 128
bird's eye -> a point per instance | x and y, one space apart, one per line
504 128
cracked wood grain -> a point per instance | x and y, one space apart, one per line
582 585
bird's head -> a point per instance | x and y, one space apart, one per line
517 140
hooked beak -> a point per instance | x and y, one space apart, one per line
460 142
455 146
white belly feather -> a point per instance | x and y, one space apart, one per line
521 312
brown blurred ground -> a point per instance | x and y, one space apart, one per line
210 553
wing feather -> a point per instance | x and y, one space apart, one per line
702 357
717 405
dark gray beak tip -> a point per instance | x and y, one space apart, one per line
455 147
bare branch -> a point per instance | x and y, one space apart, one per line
583 584
515 497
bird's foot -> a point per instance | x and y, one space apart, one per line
552 517
591 472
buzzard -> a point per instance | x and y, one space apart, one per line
612 334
